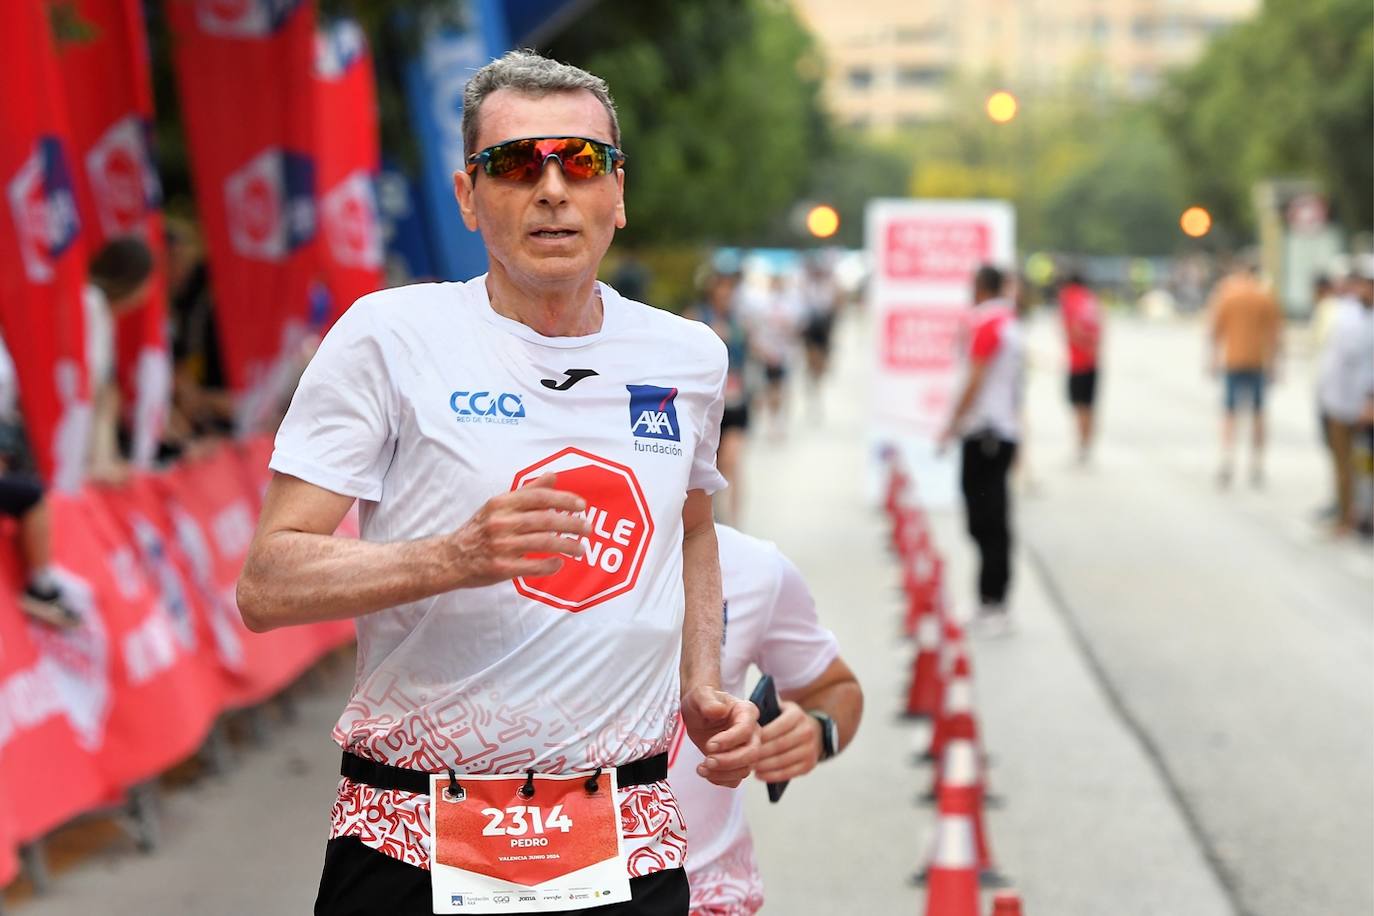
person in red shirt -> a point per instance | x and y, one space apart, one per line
1082 315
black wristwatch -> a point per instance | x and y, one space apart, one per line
830 734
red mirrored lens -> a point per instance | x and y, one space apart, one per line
523 160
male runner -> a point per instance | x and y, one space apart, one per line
771 623
1082 317
1244 329
987 416
533 456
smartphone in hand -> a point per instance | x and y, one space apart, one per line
765 697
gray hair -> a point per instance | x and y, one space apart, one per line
534 75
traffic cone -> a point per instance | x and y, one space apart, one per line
1006 903
956 718
951 878
897 485
923 696
925 589
960 782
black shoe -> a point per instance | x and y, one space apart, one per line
50 608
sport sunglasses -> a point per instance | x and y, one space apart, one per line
523 160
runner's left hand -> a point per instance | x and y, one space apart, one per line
791 745
726 731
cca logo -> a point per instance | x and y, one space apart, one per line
497 408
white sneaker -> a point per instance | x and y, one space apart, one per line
992 621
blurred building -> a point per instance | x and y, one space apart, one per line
892 63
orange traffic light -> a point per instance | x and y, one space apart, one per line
822 221
1195 222
1002 106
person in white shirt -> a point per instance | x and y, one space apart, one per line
770 623
987 418
120 276
537 588
1345 387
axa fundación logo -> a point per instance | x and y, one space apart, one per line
501 407
653 416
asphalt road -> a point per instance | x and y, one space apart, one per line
1235 637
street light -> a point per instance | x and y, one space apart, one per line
1195 222
1001 106
822 221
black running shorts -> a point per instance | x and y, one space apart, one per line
360 881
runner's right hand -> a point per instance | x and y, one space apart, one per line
497 542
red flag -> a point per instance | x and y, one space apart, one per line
348 156
245 81
103 55
42 252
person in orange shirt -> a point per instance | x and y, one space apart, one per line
1244 331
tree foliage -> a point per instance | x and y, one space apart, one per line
1086 174
719 112
1288 94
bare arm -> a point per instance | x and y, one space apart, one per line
702 622
724 728
298 572
792 741
977 373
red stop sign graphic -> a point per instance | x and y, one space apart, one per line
614 549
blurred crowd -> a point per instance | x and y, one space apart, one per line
199 410
767 317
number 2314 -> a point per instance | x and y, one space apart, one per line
524 819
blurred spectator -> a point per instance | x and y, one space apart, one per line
721 311
1081 313
1345 387
632 278
22 498
775 320
820 297
120 274
987 418
1326 300
202 405
1244 331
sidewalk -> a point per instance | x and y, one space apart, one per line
1087 827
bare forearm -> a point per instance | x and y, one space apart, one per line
702 624
294 577
843 702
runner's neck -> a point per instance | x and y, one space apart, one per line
567 311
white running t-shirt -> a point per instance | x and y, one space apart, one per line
424 403
770 622
997 339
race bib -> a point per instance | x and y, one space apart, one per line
499 848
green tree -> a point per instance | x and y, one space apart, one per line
1290 93
719 111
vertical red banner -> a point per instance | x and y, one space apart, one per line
348 157
103 55
245 77
42 252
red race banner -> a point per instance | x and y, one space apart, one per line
103 55
42 250
348 157
244 74
136 683
47 774
218 513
